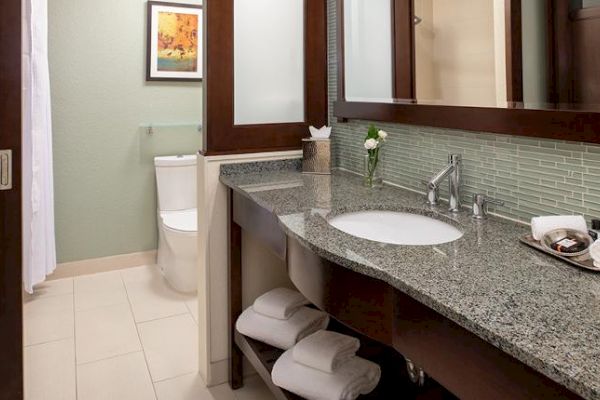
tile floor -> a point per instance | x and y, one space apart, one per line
117 335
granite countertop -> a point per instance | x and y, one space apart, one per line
540 310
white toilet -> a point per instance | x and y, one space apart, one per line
177 221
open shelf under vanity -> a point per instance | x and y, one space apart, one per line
394 380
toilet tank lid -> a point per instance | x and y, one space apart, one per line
175 161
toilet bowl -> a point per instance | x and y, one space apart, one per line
177 221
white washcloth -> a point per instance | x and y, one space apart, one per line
283 334
542 225
595 253
279 303
357 376
325 350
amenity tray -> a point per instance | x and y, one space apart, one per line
584 261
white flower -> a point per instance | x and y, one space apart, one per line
382 135
371 144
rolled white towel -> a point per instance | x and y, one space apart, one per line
283 334
542 225
595 253
279 303
357 376
325 350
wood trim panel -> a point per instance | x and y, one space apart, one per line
11 303
563 125
562 51
341 70
403 40
222 136
514 53
236 365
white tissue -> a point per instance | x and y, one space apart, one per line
595 253
322 133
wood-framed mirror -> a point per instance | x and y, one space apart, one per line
529 68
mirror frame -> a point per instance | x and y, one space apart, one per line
570 125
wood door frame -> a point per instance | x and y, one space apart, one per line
11 303
514 53
221 135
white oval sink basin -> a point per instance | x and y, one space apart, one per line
396 228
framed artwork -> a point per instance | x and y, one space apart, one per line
174 42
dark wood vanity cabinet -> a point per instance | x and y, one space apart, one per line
464 364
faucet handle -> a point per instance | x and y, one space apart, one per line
433 193
480 204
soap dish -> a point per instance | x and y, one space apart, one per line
557 235
583 261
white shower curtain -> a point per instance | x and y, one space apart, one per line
39 252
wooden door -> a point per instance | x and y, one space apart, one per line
11 318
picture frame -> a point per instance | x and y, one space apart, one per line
174 42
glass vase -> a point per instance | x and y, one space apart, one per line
373 174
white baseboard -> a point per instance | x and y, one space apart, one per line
104 264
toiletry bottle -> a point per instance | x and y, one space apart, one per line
595 231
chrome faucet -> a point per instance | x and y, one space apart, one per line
453 172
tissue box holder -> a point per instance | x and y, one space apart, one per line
316 156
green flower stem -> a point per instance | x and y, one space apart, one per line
372 165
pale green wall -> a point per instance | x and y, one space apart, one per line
104 177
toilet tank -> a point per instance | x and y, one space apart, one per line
176 182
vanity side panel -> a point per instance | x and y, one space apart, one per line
360 302
468 366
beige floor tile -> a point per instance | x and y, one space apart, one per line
254 389
192 305
52 288
171 346
120 378
50 371
99 290
105 332
144 273
222 392
150 296
47 318
190 387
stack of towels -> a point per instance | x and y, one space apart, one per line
324 366
281 319
317 364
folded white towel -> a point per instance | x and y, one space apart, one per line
357 376
542 225
279 303
325 350
595 253
283 334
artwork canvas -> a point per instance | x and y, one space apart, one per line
174 41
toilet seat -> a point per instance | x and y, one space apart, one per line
181 220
